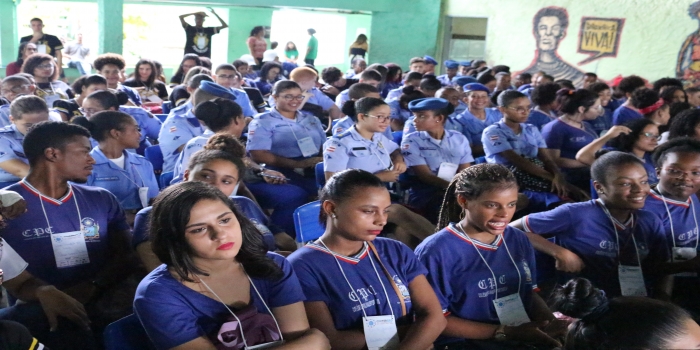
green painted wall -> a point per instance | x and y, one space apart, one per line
8 27
650 40
240 21
111 25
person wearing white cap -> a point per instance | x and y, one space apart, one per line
270 56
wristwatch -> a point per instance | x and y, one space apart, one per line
500 333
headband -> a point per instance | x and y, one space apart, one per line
652 108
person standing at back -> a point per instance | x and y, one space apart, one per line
199 37
311 47
45 43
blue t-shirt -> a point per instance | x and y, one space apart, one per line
499 138
587 231
272 132
539 118
322 280
473 127
566 138
463 282
179 127
624 114
601 124
349 150
30 235
173 314
681 227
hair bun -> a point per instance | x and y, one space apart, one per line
578 298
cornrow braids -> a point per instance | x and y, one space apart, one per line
471 183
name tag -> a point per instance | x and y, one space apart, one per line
307 147
447 171
143 196
381 332
107 178
69 249
41 48
631 281
510 310
684 254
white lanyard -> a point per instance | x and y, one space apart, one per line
459 226
143 183
369 256
380 145
75 200
617 237
292 126
236 317
53 92
670 220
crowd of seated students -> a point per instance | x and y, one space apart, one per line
444 197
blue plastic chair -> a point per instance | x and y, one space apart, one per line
165 179
398 136
320 176
480 160
154 155
161 117
166 107
126 334
306 223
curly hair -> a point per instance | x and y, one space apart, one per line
36 60
684 124
109 58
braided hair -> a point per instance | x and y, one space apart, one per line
471 183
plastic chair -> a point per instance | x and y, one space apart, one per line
154 155
398 136
161 117
320 176
480 160
165 179
306 223
166 107
126 334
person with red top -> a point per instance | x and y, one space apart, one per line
26 49
257 45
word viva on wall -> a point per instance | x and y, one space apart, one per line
599 37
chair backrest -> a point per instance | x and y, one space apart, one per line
155 156
161 117
165 179
166 106
398 136
306 222
126 334
320 175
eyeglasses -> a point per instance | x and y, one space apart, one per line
89 111
15 89
292 97
650 135
45 66
380 118
679 174
520 109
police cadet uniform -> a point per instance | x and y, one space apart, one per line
444 78
472 126
10 148
350 150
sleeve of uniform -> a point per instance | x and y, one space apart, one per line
494 141
555 221
552 136
243 101
324 101
537 136
287 289
389 144
6 151
10 262
411 266
335 155
310 283
438 272
395 108
411 151
150 125
172 135
140 231
467 157
259 136
339 100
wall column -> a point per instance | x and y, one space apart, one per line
241 21
110 19
9 41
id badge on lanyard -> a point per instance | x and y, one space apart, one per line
381 332
307 146
41 48
70 249
684 254
510 310
447 171
631 281
143 196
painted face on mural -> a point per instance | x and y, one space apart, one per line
549 32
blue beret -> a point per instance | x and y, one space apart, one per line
524 87
465 63
427 104
461 80
450 64
216 90
475 87
430 60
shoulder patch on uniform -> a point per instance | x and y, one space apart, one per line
343 134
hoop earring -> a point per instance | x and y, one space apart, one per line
462 215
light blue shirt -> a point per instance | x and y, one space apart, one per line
345 123
444 80
499 137
183 160
272 132
11 148
349 150
473 127
450 124
342 97
124 183
394 94
418 148
149 124
243 100
397 112
179 127
317 97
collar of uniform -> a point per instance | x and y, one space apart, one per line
619 225
45 198
657 195
207 132
276 114
18 135
189 116
182 109
132 110
235 92
100 158
355 259
451 228
356 135
425 136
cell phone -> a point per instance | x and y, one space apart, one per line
274 177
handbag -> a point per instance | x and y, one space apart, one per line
250 327
529 182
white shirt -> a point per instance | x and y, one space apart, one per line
119 161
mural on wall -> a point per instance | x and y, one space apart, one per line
549 27
599 37
688 65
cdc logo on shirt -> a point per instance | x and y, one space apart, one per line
37 232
